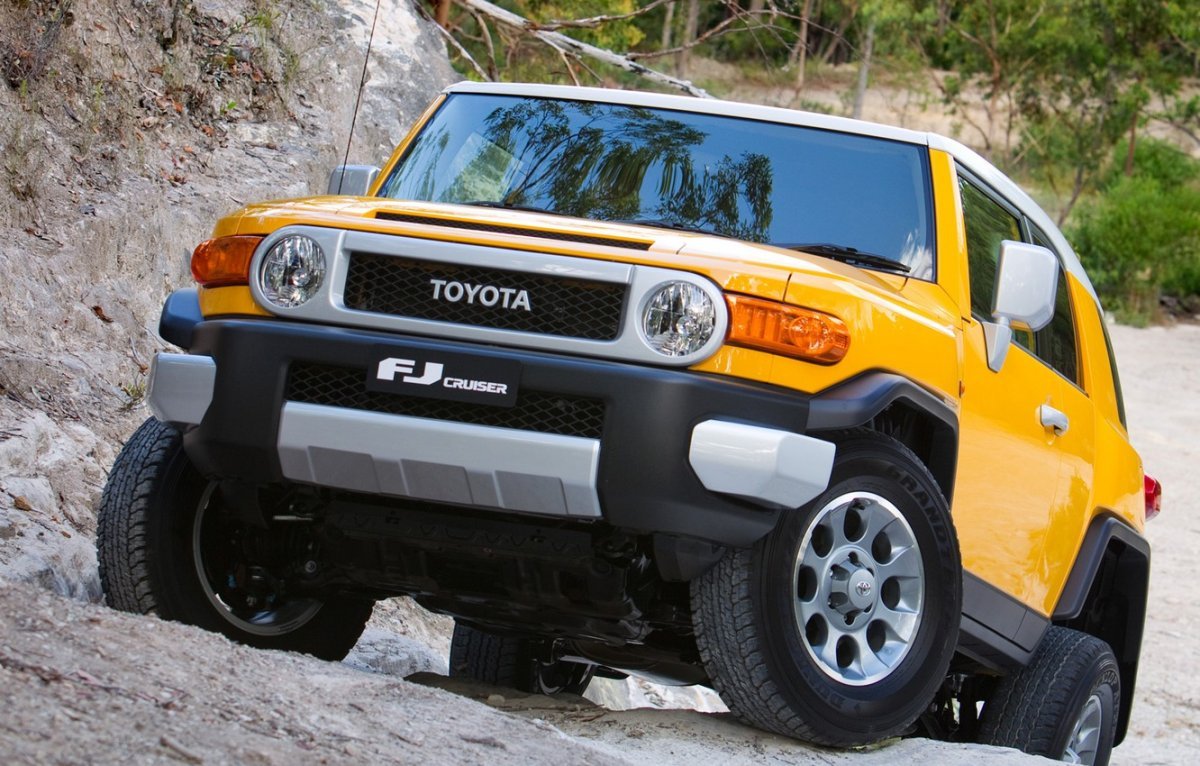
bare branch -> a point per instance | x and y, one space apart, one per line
570 45
593 21
716 31
487 40
459 47
1182 127
566 60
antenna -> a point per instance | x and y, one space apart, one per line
362 82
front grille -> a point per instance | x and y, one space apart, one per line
534 411
562 236
572 308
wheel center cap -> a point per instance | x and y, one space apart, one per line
861 589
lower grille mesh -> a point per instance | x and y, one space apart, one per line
534 411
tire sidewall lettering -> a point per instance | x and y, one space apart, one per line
931 525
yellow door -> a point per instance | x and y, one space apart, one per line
1072 419
1009 466
1069 515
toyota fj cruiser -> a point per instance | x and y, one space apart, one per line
818 412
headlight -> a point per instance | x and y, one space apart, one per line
678 319
292 271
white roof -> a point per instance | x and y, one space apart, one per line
981 168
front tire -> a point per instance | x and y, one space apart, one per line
167 545
1063 705
838 627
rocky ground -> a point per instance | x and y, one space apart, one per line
126 129
83 684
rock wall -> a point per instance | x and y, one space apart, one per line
126 130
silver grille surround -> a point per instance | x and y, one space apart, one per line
328 306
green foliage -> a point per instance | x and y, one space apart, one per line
1062 82
519 58
619 35
1160 161
1140 234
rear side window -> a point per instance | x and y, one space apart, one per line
1055 343
1112 363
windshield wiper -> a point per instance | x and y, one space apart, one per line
846 254
662 223
511 206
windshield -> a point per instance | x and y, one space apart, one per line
757 181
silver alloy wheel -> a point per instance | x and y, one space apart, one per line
1085 735
859 587
274 620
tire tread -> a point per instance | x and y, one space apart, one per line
141 573
729 639
1027 707
122 545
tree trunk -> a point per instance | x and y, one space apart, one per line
668 21
799 55
1076 190
833 41
691 26
864 70
1132 144
442 14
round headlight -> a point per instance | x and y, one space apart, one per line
678 319
292 271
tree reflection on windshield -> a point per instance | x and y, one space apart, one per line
676 169
611 163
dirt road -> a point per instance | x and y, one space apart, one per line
1160 374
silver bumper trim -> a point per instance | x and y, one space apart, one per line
181 387
440 460
761 464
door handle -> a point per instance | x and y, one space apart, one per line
1052 418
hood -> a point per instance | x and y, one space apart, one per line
737 266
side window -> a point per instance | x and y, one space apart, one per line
1112 363
988 224
1055 343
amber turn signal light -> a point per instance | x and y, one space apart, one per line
223 261
785 329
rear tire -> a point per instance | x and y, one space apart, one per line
838 627
1063 705
513 662
167 546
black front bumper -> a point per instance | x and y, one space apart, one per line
645 481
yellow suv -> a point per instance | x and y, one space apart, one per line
818 412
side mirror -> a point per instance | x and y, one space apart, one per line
354 180
1026 286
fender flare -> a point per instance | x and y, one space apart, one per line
179 317
858 401
1115 556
